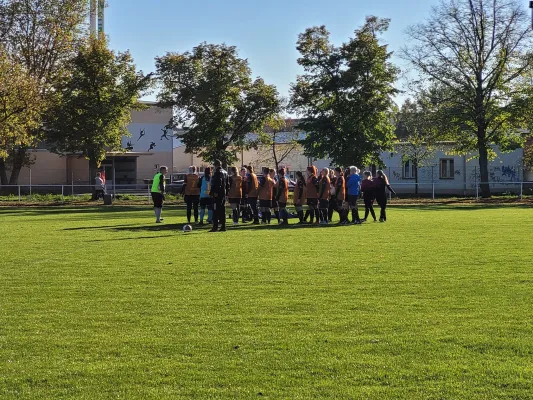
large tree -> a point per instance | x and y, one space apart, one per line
345 94
20 107
95 102
479 52
216 100
39 36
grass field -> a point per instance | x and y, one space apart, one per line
100 303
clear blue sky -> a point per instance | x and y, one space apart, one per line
264 31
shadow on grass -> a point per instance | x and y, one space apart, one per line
455 206
124 239
229 227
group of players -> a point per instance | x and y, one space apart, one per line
256 198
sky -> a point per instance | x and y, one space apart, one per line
264 31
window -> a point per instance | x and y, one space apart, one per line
447 170
409 170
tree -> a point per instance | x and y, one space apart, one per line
278 142
20 107
216 101
345 95
479 53
417 135
39 36
95 102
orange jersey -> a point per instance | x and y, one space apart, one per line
252 186
283 186
311 188
324 188
235 191
266 191
340 188
192 189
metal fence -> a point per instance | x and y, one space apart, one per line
433 190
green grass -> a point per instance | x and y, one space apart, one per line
100 303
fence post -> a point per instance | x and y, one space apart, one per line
149 193
19 192
62 193
522 189
30 181
72 185
477 186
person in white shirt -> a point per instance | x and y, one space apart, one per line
99 186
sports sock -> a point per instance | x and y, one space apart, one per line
202 214
210 215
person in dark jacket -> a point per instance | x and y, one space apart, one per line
367 187
381 186
219 192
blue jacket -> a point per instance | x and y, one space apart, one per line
354 182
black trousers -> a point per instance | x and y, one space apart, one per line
369 206
382 202
192 202
219 213
252 201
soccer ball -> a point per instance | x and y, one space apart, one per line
187 228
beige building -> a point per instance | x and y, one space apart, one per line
149 147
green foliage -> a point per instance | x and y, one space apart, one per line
345 95
528 156
95 102
217 102
418 135
105 304
479 57
39 36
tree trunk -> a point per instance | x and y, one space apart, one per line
18 163
275 156
3 172
93 169
483 169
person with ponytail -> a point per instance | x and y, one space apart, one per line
381 186
367 187
252 187
324 195
235 194
282 194
300 196
312 194
340 196
204 183
266 187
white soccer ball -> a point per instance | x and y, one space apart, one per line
187 228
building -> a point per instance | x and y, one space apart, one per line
149 147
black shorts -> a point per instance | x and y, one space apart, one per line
324 203
282 205
235 201
352 200
313 203
243 201
339 204
252 201
265 203
191 198
275 204
157 198
206 202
